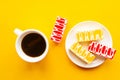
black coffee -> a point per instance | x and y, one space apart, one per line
33 44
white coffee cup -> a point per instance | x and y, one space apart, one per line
21 34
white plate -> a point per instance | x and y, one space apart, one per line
85 26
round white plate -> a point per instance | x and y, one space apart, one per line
85 26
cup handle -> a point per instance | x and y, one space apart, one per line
18 31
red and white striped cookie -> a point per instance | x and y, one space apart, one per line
101 50
58 30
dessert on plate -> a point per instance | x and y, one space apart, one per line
82 53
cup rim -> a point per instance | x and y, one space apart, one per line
19 48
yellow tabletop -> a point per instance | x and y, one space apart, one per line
41 15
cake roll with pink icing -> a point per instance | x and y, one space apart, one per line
101 50
58 29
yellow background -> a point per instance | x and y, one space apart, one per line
41 15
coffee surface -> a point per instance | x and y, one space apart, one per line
33 45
